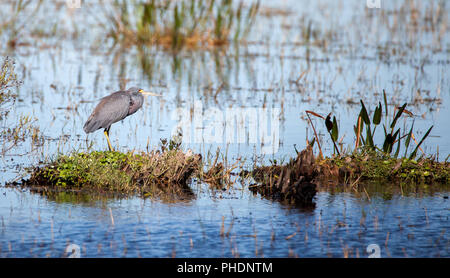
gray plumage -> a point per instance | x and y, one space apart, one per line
113 108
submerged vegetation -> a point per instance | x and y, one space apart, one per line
177 24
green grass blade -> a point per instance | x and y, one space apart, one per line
385 102
369 138
414 153
377 115
329 123
398 148
388 141
408 138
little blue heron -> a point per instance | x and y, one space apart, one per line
113 108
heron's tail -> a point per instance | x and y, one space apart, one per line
91 125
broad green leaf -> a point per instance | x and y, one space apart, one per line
364 114
387 145
335 131
328 123
385 102
377 115
408 138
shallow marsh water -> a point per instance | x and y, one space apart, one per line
226 225
66 64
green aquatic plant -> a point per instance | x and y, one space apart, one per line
371 160
393 135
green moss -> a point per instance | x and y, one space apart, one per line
81 169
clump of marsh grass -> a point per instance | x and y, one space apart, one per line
23 129
373 165
13 21
163 171
370 160
411 22
313 33
8 80
177 24
11 134
218 174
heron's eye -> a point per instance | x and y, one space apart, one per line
140 91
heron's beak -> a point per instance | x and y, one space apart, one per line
148 93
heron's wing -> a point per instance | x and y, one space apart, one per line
111 109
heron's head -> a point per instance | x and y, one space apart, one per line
136 91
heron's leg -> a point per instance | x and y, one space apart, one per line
106 132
